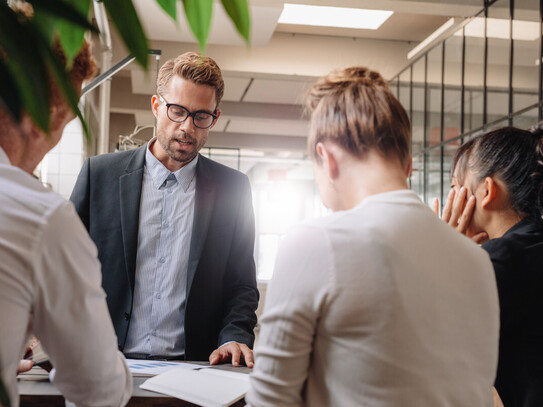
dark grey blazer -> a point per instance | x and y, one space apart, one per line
222 295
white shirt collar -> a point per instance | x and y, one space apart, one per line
4 159
159 173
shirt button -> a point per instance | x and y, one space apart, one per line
166 224
169 190
162 260
153 333
159 296
126 316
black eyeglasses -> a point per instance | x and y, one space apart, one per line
178 114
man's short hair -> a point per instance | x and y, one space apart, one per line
192 67
355 109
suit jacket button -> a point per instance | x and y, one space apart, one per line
126 316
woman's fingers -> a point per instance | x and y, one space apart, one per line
457 207
435 206
448 206
465 217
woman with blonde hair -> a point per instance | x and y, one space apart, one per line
380 303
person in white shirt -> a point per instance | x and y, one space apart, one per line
380 303
49 270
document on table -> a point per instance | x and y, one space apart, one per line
205 387
144 367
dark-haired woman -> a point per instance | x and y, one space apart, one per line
501 175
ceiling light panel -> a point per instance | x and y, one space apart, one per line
300 14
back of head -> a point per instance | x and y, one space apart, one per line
355 109
193 67
512 155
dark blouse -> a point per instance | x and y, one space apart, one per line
518 262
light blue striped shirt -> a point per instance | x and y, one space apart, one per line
164 234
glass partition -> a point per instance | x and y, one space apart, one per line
417 105
433 96
474 74
486 75
452 88
526 55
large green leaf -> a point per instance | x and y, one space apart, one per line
9 94
61 78
71 35
21 43
238 10
124 17
199 14
170 7
46 24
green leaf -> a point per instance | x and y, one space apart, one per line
124 16
238 10
170 7
22 43
46 24
72 36
198 14
65 10
9 94
62 80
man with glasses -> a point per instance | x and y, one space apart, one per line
175 230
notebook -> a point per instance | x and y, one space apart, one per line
206 387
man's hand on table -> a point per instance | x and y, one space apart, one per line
232 352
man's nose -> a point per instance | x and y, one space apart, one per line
188 125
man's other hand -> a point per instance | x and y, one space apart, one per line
232 352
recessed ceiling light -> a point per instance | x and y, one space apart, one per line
333 16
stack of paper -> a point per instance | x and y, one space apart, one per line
206 387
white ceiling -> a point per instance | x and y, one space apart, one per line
265 83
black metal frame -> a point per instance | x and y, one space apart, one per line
427 149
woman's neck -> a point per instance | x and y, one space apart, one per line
374 174
502 222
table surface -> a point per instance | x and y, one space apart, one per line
35 389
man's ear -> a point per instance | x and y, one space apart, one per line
490 190
218 114
329 161
155 103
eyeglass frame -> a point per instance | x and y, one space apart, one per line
189 113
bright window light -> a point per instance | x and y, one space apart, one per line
499 28
333 16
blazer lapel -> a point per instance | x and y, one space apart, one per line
130 184
204 203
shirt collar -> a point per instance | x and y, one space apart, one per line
4 159
159 172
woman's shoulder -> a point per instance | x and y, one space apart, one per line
516 241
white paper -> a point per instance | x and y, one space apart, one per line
144 367
208 388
